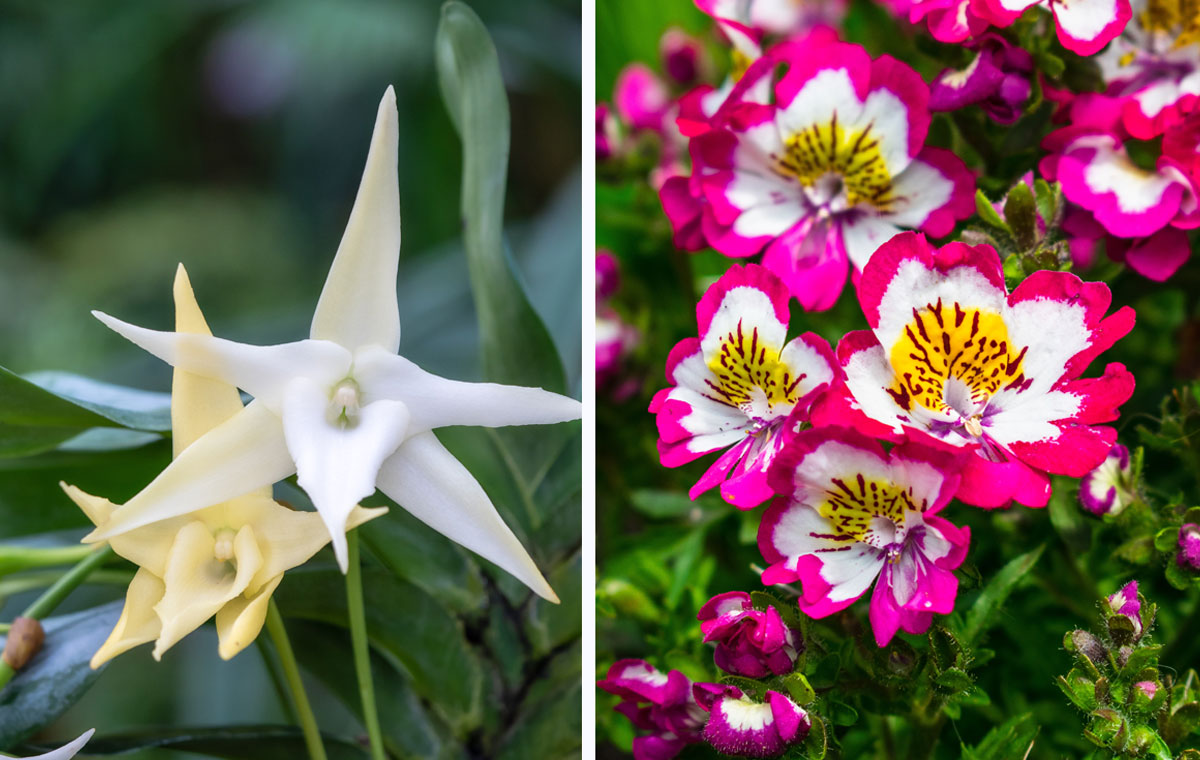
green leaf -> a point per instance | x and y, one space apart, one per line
408 729
1049 201
128 407
816 744
58 675
954 680
1167 539
33 419
232 742
987 212
840 713
798 688
405 624
550 625
662 504
1020 211
548 721
516 346
1067 518
1007 741
985 611
417 553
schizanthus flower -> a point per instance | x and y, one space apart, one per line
614 338
948 20
743 727
1125 603
739 385
832 169
1084 26
751 643
1153 68
661 703
850 514
780 17
1107 490
1147 205
997 79
1189 547
955 361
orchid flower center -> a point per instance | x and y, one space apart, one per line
223 548
345 403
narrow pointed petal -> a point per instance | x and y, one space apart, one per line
290 538
67 751
437 402
148 548
261 371
138 623
426 479
337 464
358 304
245 453
198 404
241 619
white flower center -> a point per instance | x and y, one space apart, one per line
223 546
344 403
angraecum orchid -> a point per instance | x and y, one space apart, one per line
342 410
1008 190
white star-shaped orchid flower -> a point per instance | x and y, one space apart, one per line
342 410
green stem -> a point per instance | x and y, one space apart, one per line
291 671
358 643
19 584
16 558
275 672
53 596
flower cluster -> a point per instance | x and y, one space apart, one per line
341 410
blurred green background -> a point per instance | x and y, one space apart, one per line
230 136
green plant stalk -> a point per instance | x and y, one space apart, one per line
291 672
358 643
35 579
17 558
53 596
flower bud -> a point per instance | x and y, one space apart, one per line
1108 489
682 56
751 643
1189 547
25 639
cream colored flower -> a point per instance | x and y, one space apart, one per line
222 560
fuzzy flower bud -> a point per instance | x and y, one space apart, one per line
751 643
662 704
1125 604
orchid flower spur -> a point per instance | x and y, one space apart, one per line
835 167
342 410
850 514
225 559
739 385
1083 26
955 361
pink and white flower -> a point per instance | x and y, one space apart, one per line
778 17
997 79
660 703
1153 68
948 20
1146 206
832 169
615 339
739 385
1108 489
739 726
850 514
955 361
641 98
1084 26
1189 547
750 642
1125 602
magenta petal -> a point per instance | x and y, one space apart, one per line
791 721
1160 255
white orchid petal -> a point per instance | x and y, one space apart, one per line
337 464
358 304
437 402
426 479
67 750
261 371
232 459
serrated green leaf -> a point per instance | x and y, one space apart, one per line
58 675
516 346
986 608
